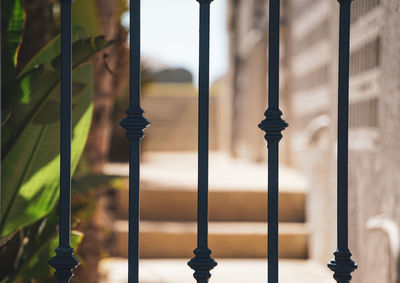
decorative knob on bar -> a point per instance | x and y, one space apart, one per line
134 123
64 262
202 264
342 265
273 125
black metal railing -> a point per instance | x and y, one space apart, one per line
64 261
134 125
342 265
202 263
1 115
273 125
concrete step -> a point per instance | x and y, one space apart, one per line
172 204
174 120
115 270
237 189
226 239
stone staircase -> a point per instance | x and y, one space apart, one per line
172 110
237 220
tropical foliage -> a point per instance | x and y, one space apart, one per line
30 140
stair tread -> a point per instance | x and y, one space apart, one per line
171 204
178 171
242 228
228 270
227 240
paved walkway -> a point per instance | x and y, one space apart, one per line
227 271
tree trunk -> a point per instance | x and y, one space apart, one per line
111 69
111 72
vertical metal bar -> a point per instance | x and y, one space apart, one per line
273 125
203 124
134 213
1 116
342 265
64 261
273 56
134 124
202 263
134 51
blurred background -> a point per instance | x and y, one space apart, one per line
238 170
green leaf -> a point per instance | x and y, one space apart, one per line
85 13
38 267
13 19
50 110
30 138
36 84
31 191
28 144
42 240
15 26
39 236
83 49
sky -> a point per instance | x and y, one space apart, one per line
170 34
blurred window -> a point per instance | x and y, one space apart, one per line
360 8
364 114
365 58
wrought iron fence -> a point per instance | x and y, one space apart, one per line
273 125
202 263
342 265
64 262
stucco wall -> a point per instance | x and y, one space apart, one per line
375 168
374 155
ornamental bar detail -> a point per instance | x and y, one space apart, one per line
64 261
134 124
202 263
342 265
273 125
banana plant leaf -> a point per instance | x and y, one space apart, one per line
13 17
43 240
42 235
85 13
37 268
30 142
